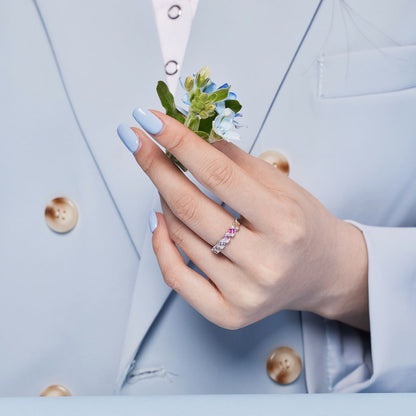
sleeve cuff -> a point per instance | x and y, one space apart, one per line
392 307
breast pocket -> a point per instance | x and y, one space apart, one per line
375 71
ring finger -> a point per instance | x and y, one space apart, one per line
219 269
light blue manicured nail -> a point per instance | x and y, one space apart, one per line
152 221
129 137
148 120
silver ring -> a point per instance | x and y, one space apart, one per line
231 232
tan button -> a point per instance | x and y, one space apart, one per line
277 159
61 215
284 365
55 390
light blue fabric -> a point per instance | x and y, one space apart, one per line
243 405
89 309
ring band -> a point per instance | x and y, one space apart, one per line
232 231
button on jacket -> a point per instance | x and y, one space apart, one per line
331 85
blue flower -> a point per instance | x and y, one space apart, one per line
210 88
185 99
225 125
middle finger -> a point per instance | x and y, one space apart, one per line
210 167
198 212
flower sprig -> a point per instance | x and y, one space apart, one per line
211 112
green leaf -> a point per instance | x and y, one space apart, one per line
166 98
233 105
179 116
168 102
219 95
193 123
206 124
214 137
176 161
203 134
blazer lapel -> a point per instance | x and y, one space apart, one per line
251 45
109 57
149 295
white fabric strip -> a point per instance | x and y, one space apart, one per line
174 33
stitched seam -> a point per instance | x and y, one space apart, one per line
321 62
146 373
327 372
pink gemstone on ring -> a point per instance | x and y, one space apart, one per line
232 231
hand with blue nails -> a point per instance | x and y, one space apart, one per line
289 252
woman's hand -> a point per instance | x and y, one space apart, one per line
290 252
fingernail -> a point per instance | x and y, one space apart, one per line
147 120
128 137
152 221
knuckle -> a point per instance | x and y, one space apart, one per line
266 274
292 228
177 142
252 301
186 208
219 173
263 273
177 234
237 317
147 164
296 229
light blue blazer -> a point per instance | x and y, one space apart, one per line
331 84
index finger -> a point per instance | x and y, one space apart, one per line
210 167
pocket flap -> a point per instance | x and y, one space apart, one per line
372 71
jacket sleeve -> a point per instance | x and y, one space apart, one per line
389 357
392 303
